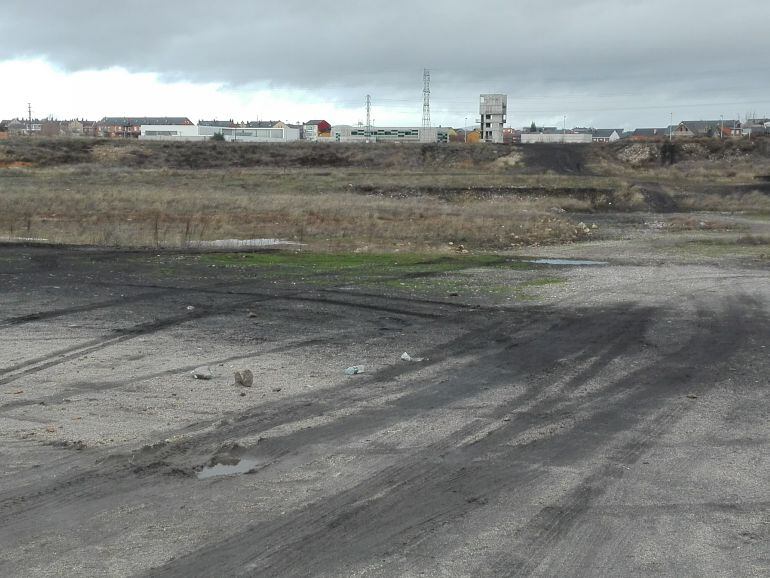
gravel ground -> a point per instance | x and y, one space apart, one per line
611 421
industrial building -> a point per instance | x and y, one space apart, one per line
493 109
556 137
345 133
252 134
230 131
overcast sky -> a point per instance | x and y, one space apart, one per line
603 63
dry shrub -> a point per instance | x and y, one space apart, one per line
753 240
698 224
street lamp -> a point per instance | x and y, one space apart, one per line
670 127
465 130
564 129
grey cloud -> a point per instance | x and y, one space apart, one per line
690 49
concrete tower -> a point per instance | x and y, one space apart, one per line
493 109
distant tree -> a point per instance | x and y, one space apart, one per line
217 137
533 127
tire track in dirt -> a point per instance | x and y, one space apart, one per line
12 373
15 372
251 422
545 531
398 514
412 499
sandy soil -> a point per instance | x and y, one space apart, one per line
614 423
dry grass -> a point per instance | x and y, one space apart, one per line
337 198
171 208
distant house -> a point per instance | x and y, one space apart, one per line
756 127
4 129
542 130
222 123
17 127
315 129
51 128
131 126
265 124
649 134
62 128
511 135
712 128
606 134
90 127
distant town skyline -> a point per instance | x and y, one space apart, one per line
600 63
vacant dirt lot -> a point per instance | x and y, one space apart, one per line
603 420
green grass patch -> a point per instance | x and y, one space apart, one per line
541 282
352 266
719 248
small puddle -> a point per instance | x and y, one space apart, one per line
566 262
232 468
241 243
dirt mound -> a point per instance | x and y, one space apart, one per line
561 159
658 200
638 153
557 158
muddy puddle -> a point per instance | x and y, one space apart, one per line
232 467
565 262
241 243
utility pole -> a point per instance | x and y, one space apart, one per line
368 132
721 126
465 130
29 117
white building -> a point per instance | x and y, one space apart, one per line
346 133
550 137
230 133
494 110
168 132
247 134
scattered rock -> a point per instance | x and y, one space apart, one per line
243 394
277 389
251 314
202 372
190 307
244 378
692 396
50 429
354 369
406 357
454 294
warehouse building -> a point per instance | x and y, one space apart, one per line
345 133
229 130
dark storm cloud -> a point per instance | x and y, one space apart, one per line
690 49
